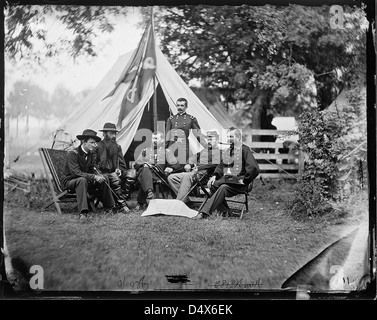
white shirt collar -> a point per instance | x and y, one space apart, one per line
83 150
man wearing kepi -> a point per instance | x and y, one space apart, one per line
110 161
178 129
236 171
80 174
199 163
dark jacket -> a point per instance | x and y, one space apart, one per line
179 126
161 157
109 156
207 158
242 164
76 166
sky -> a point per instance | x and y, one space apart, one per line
86 74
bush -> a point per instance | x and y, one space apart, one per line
335 143
318 140
309 200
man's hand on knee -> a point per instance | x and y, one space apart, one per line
211 181
99 178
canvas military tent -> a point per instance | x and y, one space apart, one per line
94 110
157 102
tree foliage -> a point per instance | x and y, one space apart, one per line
29 30
250 52
63 101
27 98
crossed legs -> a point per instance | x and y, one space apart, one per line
218 194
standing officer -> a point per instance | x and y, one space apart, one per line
178 130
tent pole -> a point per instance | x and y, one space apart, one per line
154 84
154 105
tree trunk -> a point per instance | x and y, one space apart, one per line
257 109
7 141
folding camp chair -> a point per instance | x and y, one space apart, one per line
198 193
239 204
161 185
53 161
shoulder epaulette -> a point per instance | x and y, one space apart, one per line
192 117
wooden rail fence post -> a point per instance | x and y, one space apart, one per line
300 162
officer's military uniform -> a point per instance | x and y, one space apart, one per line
206 160
238 162
177 132
155 157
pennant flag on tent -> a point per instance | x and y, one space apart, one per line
141 69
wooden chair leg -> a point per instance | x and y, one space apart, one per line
156 190
47 204
203 203
54 200
92 206
242 211
162 192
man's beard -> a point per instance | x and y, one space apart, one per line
108 139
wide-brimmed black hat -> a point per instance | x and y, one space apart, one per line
88 133
109 127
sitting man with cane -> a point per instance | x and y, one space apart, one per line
110 162
153 163
200 163
81 175
237 169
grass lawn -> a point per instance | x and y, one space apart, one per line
130 252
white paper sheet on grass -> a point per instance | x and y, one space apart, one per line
171 207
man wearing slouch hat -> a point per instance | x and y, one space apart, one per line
110 161
81 176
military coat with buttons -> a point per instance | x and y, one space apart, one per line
157 156
78 164
238 161
178 129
